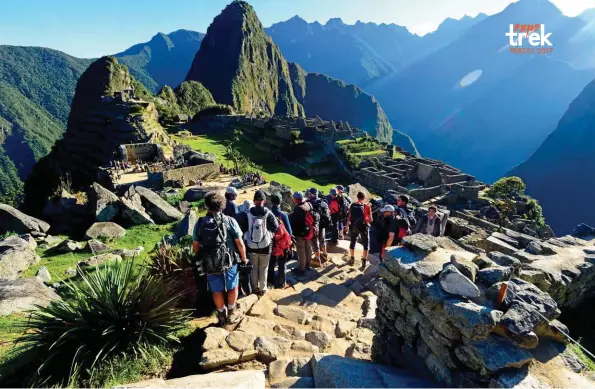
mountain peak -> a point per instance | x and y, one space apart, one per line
335 22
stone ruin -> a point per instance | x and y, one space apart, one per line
443 311
425 179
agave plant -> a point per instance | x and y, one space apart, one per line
111 311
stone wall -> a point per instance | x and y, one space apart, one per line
186 174
438 312
425 194
142 151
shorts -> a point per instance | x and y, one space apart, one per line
362 232
225 281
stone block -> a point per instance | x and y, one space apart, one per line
474 321
492 354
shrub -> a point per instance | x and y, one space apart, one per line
174 264
507 210
506 187
111 312
7 234
534 212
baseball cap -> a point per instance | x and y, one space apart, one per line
231 190
275 199
313 191
298 195
341 188
259 195
387 208
333 192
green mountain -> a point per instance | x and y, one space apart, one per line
562 170
164 60
36 89
101 119
242 67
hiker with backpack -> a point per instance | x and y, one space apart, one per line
302 224
259 226
282 246
322 221
218 246
404 217
231 209
345 203
359 220
339 207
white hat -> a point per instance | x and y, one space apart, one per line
231 190
387 208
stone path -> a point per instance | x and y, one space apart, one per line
328 311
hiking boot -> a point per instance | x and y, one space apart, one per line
351 261
235 315
221 318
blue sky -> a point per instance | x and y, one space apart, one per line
91 28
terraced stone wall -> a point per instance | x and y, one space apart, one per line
439 313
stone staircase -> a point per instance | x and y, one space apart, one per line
328 311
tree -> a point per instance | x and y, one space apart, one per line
507 187
534 212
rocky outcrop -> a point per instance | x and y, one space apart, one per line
17 253
24 294
13 220
158 208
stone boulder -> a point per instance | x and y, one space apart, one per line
245 379
105 204
186 226
353 190
474 321
333 371
492 355
196 194
454 282
583 230
107 230
100 259
13 220
24 294
134 213
69 246
17 253
97 247
159 209
43 274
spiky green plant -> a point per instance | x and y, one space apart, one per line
111 311
174 263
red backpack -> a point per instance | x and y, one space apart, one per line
281 240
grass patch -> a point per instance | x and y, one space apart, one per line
370 152
272 171
147 235
585 359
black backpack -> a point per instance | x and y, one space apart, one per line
356 211
323 213
344 204
213 254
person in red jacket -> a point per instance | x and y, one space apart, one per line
359 220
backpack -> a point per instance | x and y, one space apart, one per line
305 227
281 240
323 213
356 211
344 204
213 255
258 236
